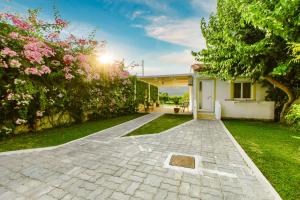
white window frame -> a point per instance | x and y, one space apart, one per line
242 82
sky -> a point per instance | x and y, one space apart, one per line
161 32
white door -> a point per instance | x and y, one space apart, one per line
206 98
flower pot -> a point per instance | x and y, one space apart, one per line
176 110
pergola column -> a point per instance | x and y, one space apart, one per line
194 97
190 97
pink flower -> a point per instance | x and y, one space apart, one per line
45 70
81 58
64 44
82 42
124 74
19 23
29 39
67 69
10 96
3 64
61 22
33 56
8 52
93 42
96 77
20 121
14 35
79 71
69 76
68 59
15 63
86 67
71 38
54 35
35 51
32 70
39 113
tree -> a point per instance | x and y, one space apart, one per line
251 38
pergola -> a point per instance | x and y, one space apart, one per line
172 80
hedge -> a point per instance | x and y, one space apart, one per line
142 94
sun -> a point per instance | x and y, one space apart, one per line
105 59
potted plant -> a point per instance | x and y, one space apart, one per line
176 102
176 110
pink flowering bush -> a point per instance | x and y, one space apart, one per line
45 74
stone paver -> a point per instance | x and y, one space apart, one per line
132 167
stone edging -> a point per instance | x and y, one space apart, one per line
258 174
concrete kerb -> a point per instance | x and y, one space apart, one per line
258 174
7 153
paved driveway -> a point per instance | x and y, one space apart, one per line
99 167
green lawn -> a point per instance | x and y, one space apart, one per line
160 124
56 136
275 149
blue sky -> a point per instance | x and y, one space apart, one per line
161 32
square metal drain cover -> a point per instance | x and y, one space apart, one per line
183 161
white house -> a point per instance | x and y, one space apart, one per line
215 98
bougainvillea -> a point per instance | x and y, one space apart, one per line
45 73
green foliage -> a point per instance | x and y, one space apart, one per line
295 47
175 99
166 99
142 92
46 76
163 97
185 97
293 116
153 93
251 38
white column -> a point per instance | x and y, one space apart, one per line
149 93
135 89
195 104
190 98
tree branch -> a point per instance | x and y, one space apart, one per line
287 91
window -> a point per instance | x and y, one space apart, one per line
242 90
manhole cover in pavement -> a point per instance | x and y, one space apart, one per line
183 161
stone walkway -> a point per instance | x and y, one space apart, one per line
103 167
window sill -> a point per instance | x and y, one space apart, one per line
242 100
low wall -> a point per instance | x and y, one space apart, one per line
263 110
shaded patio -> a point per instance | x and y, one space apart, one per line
172 80
168 109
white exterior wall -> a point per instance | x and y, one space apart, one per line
255 109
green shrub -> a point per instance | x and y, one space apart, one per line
153 93
293 116
142 92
